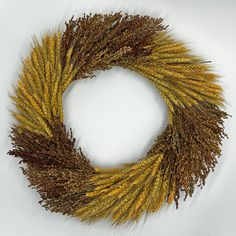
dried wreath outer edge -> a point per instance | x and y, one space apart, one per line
181 157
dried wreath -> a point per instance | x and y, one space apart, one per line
181 157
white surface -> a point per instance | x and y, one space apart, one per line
116 115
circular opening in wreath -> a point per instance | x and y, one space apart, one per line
115 116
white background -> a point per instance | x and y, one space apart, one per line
116 115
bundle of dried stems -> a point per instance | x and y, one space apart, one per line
181 157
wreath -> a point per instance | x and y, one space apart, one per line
179 160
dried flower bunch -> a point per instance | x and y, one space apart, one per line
181 157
